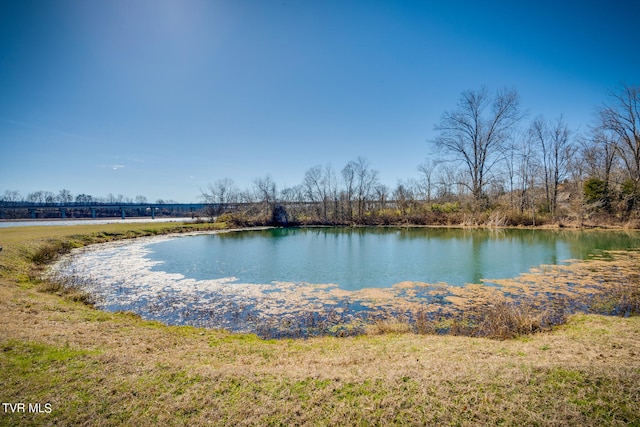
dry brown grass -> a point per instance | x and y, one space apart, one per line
98 368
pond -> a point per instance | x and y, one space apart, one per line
241 279
357 258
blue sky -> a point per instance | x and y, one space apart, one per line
160 98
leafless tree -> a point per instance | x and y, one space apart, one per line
218 195
557 148
36 197
65 196
525 168
265 190
349 179
621 117
49 197
404 196
317 184
381 192
427 169
11 196
366 180
84 199
476 132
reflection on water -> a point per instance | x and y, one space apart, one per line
356 258
244 279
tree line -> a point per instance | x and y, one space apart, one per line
65 196
488 165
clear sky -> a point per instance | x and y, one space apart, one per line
160 98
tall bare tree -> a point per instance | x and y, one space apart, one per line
320 187
11 196
366 180
427 169
65 196
219 194
622 117
265 191
476 132
348 178
554 139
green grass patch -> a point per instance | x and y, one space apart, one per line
98 368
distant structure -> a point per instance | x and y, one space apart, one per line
280 216
25 210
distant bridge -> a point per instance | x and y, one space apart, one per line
85 210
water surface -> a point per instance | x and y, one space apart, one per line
356 258
275 278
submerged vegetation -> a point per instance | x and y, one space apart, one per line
84 366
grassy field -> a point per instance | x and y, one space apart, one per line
70 364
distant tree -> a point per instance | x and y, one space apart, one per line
49 197
293 194
349 178
599 153
36 197
557 148
219 194
621 117
475 134
265 191
84 199
381 192
315 189
365 179
294 197
525 171
11 196
427 169
404 196
141 200
320 187
65 196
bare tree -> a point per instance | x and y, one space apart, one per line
49 197
476 132
84 199
348 177
11 196
557 148
316 189
427 169
404 196
381 192
366 180
622 118
65 196
526 166
599 153
36 197
265 190
218 195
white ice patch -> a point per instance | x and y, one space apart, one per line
122 277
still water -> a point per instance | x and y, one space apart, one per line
268 280
356 258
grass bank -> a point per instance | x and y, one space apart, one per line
70 364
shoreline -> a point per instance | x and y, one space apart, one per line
572 282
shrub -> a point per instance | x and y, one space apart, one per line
51 251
